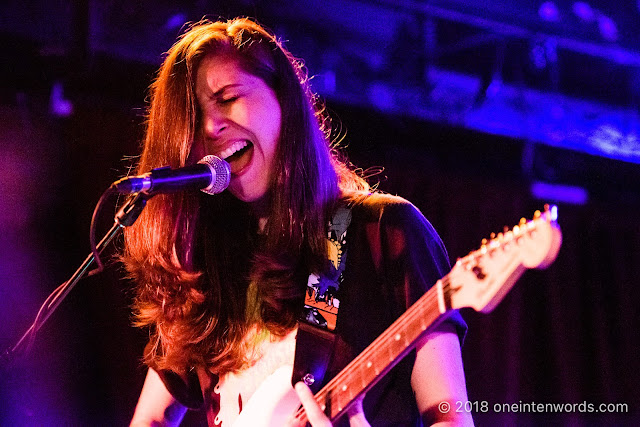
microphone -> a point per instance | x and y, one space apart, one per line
211 175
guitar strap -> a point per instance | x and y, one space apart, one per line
316 337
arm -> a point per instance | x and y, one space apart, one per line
438 376
415 259
156 406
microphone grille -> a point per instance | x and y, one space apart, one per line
220 171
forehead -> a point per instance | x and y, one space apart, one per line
216 71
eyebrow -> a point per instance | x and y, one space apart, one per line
225 87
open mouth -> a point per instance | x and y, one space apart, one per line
238 155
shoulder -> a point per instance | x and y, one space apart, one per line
375 200
396 227
381 205
389 211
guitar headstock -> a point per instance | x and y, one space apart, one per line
481 279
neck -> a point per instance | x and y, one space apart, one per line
260 209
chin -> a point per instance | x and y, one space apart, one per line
248 196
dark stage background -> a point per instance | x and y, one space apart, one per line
564 335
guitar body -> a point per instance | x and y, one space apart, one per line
272 404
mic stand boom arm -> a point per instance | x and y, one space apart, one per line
125 217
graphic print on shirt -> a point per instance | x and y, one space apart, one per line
321 305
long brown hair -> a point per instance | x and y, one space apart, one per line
205 275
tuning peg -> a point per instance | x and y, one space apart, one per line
523 221
483 247
536 215
493 236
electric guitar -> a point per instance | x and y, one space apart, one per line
479 280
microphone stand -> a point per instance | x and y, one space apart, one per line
125 217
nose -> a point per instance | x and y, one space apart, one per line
214 125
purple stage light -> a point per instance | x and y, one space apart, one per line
559 193
583 11
608 28
548 11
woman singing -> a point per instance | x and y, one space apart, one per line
222 280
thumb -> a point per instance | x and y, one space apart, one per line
316 417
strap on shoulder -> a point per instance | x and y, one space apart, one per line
316 337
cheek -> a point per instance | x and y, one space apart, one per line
240 114
274 135
267 120
271 125
198 150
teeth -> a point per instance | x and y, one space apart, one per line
235 147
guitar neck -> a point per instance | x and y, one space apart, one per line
382 354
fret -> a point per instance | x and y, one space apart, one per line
375 367
391 354
440 292
364 376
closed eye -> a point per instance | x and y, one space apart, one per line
228 100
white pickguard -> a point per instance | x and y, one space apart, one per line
273 402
